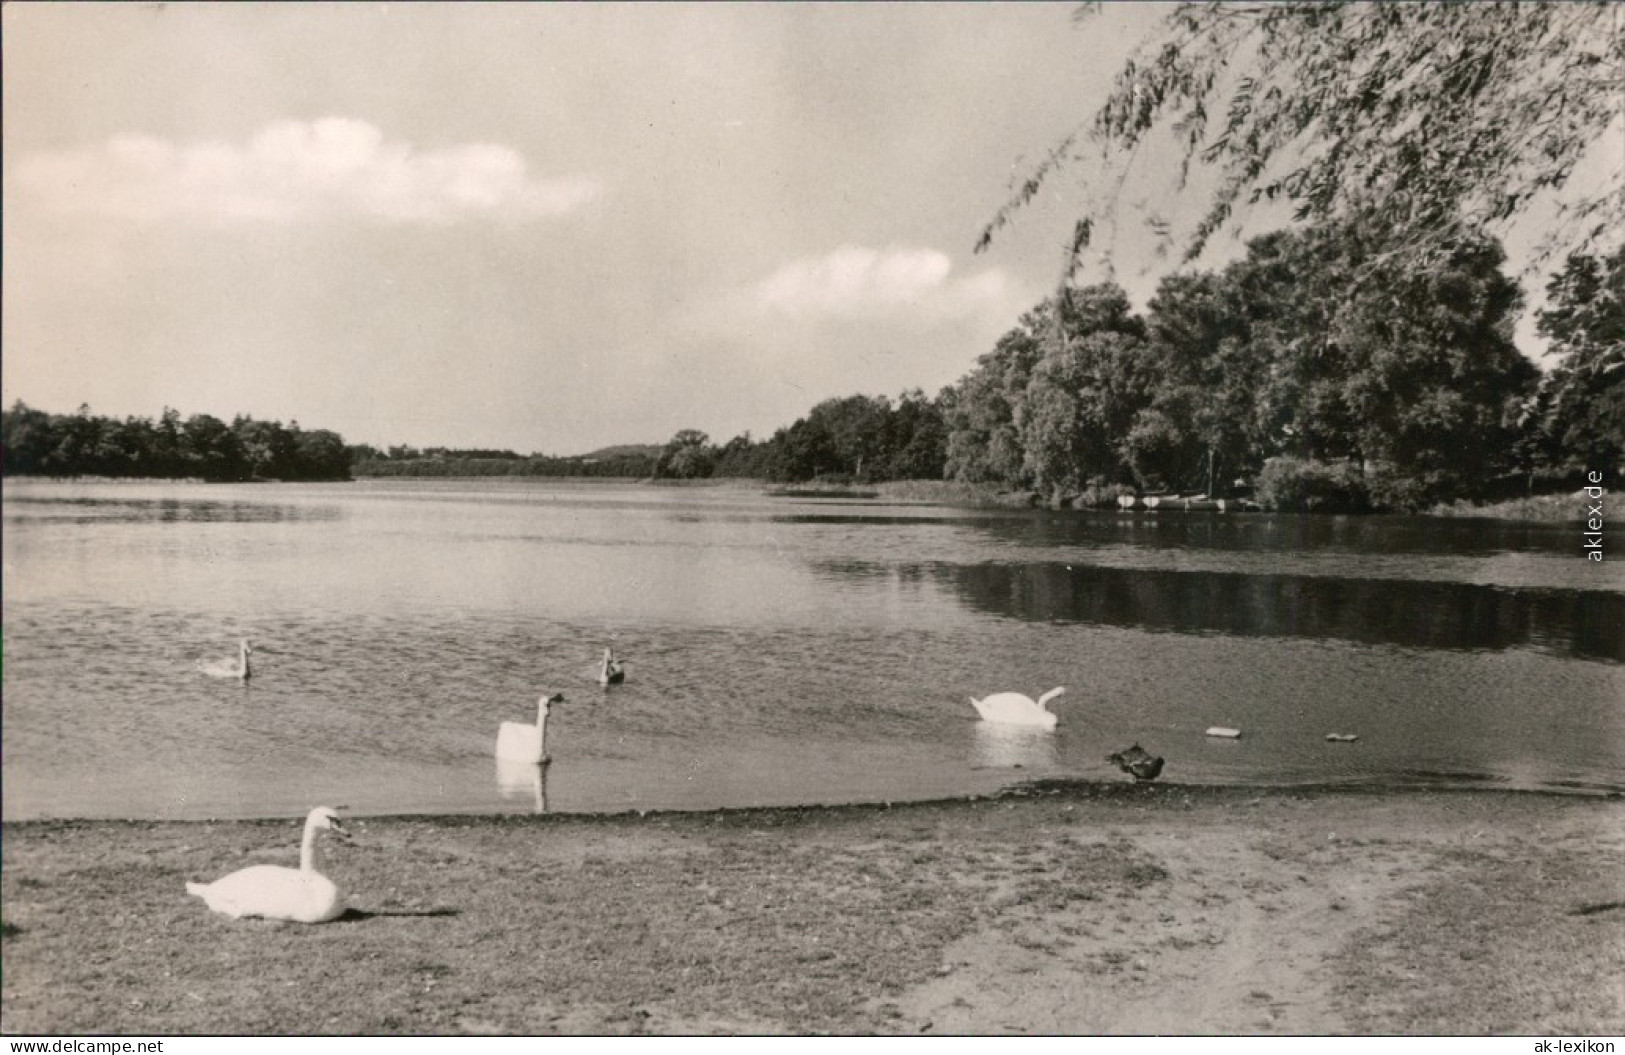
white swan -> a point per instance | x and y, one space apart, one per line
1013 708
517 742
301 894
610 672
229 668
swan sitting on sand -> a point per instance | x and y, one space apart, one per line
1013 708
301 895
518 742
229 668
610 672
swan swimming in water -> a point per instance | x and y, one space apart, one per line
302 895
1013 708
610 672
229 668
518 742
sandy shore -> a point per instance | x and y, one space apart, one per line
1071 910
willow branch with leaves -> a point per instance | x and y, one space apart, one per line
1437 121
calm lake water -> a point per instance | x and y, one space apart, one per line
778 650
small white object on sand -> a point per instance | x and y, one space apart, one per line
1224 731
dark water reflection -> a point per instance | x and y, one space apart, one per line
1250 533
1370 536
1411 614
780 652
54 510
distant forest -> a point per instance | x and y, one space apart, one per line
198 447
202 447
1317 373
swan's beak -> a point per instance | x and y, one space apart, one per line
341 831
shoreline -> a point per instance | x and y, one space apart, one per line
1102 790
1548 508
1071 908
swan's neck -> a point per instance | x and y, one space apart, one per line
308 861
242 660
541 726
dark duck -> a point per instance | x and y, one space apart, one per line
1137 762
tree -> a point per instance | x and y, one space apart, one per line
211 449
687 456
1434 381
270 451
1410 374
1085 390
202 446
1204 373
27 440
916 439
805 450
1081 398
983 442
1579 416
856 427
134 443
321 455
737 458
168 457
1439 121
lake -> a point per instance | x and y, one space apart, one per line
780 650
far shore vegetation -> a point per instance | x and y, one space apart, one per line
1307 377
1362 360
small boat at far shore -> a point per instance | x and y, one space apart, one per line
1224 731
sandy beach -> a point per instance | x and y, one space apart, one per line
1064 909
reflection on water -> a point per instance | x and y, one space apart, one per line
1374 536
522 780
784 655
39 509
1001 746
1400 612
1371 536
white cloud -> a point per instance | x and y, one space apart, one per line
859 282
292 170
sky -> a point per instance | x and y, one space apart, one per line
547 228
552 228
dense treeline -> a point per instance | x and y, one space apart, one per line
849 438
1321 372
1316 363
36 443
440 462
1321 369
